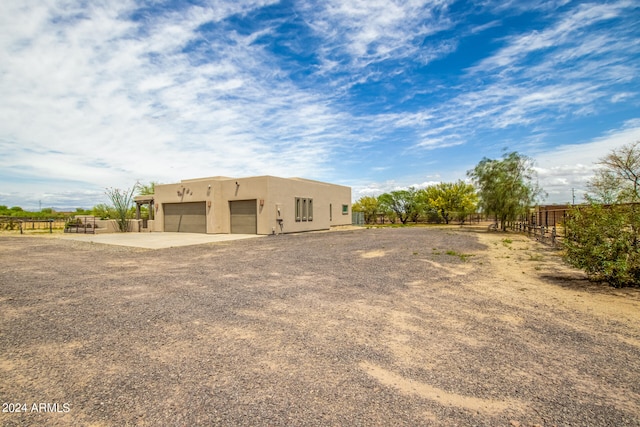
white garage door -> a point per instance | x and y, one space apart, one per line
243 216
185 217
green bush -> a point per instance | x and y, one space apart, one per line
104 211
603 241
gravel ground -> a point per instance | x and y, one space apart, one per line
406 326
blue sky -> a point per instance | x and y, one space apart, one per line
374 94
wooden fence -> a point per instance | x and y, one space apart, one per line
25 225
546 224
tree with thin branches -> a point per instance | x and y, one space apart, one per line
623 165
507 188
122 201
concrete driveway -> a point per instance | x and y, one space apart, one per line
156 240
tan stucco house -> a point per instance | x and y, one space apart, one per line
254 205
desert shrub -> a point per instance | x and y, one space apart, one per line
10 225
104 211
603 241
604 238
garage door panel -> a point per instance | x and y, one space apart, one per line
243 216
185 217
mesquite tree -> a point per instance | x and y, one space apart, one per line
451 200
369 206
403 203
506 187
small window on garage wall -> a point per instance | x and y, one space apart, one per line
345 209
304 209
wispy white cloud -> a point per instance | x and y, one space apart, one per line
374 189
450 140
570 166
567 31
576 71
621 96
573 68
480 28
367 32
562 169
103 93
119 99
520 6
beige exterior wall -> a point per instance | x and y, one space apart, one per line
270 193
104 226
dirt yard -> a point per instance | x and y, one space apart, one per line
407 326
